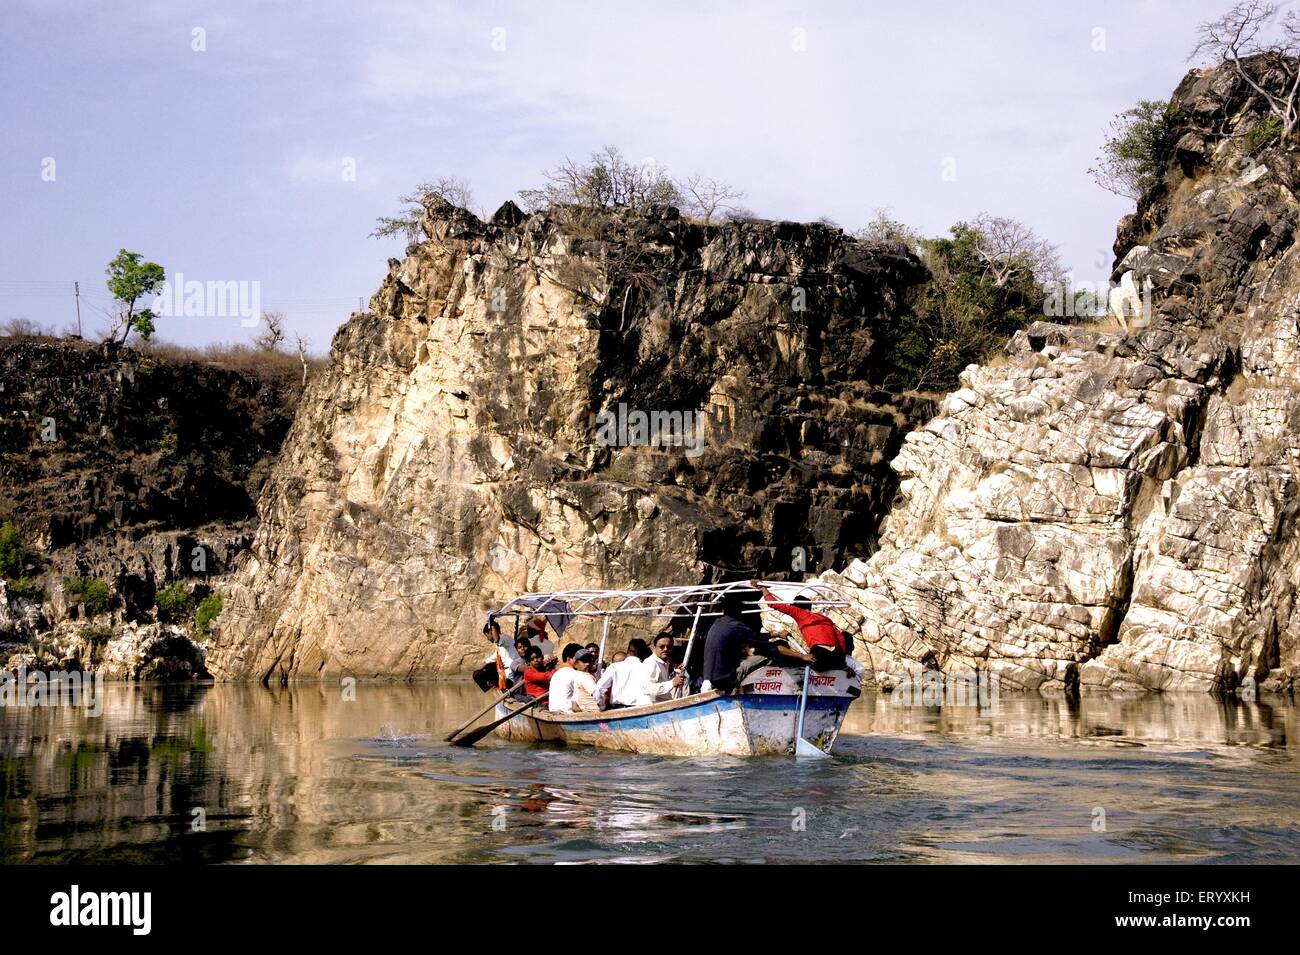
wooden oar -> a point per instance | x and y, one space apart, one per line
472 737
474 719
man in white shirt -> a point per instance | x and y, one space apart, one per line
620 684
657 677
509 664
561 698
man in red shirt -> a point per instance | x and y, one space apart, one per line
824 640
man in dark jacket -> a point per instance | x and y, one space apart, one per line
724 647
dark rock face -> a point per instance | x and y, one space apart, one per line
127 468
456 451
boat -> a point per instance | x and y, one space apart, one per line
769 714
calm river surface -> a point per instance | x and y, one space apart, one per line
249 774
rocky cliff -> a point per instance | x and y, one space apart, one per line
1114 505
454 454
131 471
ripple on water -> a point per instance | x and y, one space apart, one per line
298 775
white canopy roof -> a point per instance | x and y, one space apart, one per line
662 601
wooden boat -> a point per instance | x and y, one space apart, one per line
761 718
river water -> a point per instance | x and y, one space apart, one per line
250 774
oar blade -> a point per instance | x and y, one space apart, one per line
803 748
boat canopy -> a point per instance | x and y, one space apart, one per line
694 600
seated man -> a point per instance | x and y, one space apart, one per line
561 698
730 634
584 684
657 678
620 684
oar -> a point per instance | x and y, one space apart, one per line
473 736
801 746
473 719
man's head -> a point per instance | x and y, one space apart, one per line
619 657
492 630
537 627
735 602
522 646
638 648
569 652
594 648
663 645
584 660
534 657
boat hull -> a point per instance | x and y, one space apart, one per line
703 725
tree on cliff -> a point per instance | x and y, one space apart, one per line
1132 159
129 280
605 182
707 198
988 280
1268 64
407 221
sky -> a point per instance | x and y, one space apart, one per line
258 142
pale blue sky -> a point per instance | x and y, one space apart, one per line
227 164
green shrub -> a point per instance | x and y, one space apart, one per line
174 603
1260 135
168 443
208 610
12 552
97 636
88 591
25 587
1132 159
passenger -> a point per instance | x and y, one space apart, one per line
501 663
620 684
537 635
724 646
657 678
537 674
584 684
827 646
522 646
599 664
561 698
638 648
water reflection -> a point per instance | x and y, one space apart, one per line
239 773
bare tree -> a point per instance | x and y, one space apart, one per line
407 221
272 336
884 229
606 181
707 197
1007 246
302 344
1267 65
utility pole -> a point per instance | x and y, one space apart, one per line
76 290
